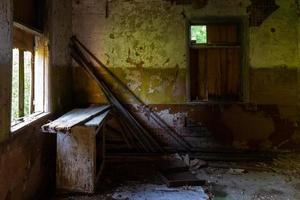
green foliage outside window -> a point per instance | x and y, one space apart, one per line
198 34
15 86
15 110
27 82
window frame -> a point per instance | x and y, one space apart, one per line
34 115
243 37
190 35
21 88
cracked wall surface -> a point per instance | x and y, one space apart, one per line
145 45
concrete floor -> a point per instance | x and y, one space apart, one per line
279 180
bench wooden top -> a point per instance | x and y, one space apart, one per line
92 116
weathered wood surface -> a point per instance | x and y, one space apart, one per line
73 118
98 120
216 67
146 142
76 169
76 160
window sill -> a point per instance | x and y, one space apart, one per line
29 121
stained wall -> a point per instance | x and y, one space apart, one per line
27 156
145 44
27 164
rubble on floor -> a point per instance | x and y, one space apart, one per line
177 171
287 165
279 180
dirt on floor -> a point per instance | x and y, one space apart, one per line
278 180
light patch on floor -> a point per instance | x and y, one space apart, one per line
159 192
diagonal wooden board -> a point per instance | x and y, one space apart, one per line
72 118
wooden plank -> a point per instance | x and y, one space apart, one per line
72 118
223 36
79 57
232 34
213 73
98 120
224 71
145 139
233 72
213 36
76 156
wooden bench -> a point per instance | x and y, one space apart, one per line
78 135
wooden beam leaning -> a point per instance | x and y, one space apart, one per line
185 145
76 56
145 139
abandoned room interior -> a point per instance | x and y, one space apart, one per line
150 99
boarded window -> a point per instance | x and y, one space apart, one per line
215 66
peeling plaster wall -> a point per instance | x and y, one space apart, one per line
145 44
274 57
138 40
252 126
274 43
